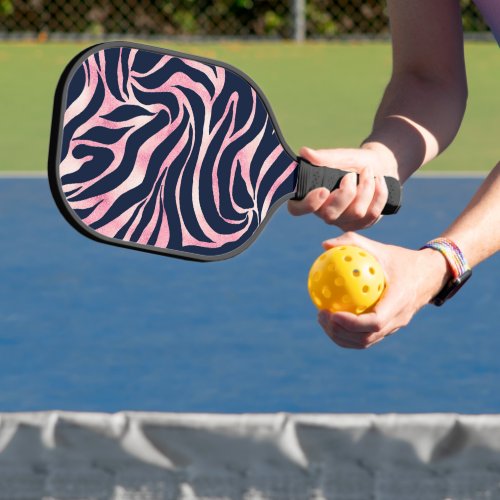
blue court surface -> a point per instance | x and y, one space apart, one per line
92 327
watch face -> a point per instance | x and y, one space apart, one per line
451 288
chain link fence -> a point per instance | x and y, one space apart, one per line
206 18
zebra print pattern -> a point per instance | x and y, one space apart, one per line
169 153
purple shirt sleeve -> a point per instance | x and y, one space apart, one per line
490 9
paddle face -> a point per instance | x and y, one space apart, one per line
165 152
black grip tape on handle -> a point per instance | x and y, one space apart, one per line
311 177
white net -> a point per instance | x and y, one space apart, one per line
160 456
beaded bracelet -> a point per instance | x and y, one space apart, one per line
452 254
460 269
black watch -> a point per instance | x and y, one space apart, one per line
451 288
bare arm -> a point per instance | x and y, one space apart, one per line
477 229
418 117
424 102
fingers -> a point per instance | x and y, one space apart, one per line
338 158
365 208
380 196
368 323
337 201
364 195
355 332
352 238
315 199
310 204
355 204
347 206
339 337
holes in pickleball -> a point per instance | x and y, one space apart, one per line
330 268
362 254
356 273
366 289
372 270
339 281
348 258
346 299
327 293
360 309
379 287
336 306
316 276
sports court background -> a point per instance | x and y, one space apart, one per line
90 327
86 327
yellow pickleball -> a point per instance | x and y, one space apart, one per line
346 278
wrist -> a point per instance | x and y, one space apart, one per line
437 272
457 266
386 156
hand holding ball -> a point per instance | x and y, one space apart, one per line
346 278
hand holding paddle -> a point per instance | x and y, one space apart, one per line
360 200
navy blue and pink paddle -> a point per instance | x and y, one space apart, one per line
171 153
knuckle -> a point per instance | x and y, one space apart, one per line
381 186
364 344
358 211
373 213
309 203
349 186
367 168
374 338
367 178
329 215
330 219
350 190
369 222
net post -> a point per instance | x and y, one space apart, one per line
299 20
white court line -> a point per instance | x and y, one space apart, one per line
454 174
23 175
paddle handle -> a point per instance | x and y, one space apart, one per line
312 177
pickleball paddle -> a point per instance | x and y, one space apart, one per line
171 153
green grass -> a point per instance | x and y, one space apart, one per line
323 94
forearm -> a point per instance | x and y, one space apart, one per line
424 103
477 230
416 120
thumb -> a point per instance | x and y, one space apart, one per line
349 238
377 249
338 158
